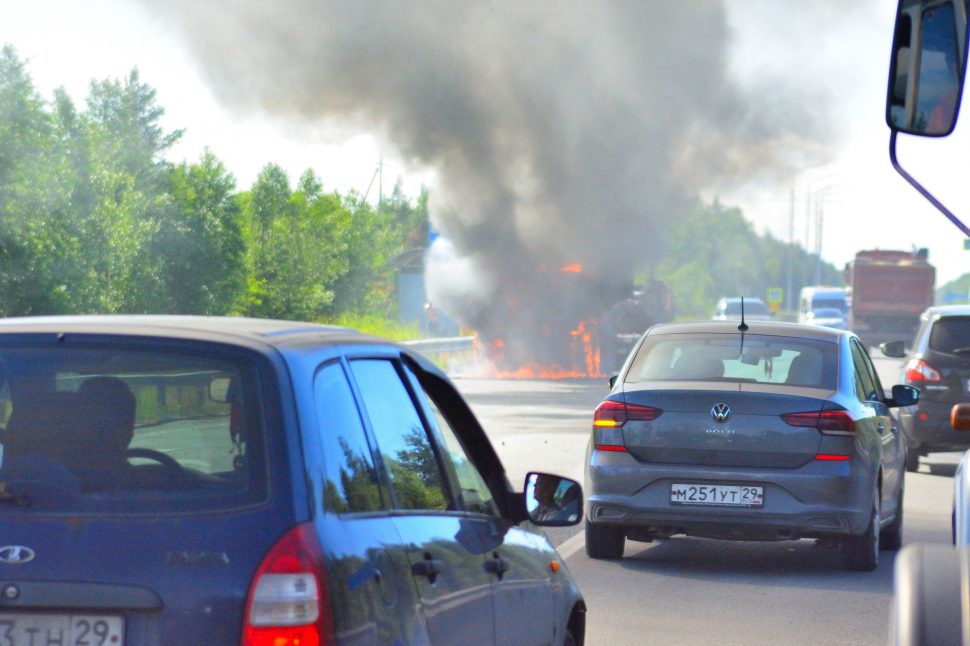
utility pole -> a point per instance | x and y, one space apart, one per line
791 243
380 190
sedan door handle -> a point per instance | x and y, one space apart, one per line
429 568
497 566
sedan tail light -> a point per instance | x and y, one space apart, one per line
609 418
829 422
918 370
288 603
611 414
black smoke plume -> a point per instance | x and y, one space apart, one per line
562 133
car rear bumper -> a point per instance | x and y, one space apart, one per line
815 500
935 431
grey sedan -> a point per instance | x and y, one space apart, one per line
760 431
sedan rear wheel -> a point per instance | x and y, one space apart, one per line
891 537
861 553
604 541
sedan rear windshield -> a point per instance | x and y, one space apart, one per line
128 430
952 335
724 357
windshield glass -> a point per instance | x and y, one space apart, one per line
763 359
827 313
835 303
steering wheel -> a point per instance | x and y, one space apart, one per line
171 464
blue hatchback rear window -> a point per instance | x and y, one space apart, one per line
128 430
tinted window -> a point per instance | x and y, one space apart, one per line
351 476
867 384
762 359
467 482
951 334
132 430
412 464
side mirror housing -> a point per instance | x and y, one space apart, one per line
894 349
553 501
904 396
960 417
926 71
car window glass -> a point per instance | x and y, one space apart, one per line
133 430
468 482
951 334
762 359
405 448
352 484
865 387
876 394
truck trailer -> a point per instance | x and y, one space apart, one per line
888 290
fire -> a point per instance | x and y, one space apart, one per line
584 359
574 268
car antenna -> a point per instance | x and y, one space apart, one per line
744 326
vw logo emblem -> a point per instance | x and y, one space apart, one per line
721 412
16 554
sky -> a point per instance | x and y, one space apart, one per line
834 57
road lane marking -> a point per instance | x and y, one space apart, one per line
572 545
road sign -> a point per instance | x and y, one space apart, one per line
776 295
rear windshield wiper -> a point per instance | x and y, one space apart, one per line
963 350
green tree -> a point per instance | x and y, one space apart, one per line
296 252
199 243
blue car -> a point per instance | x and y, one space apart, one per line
195 480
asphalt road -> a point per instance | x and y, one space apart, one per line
696 591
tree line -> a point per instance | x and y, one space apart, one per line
94 219
713 251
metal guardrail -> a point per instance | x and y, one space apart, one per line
442 345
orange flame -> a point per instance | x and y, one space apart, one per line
574 268
584 359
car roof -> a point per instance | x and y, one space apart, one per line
737 299
771 328
228 329
947 310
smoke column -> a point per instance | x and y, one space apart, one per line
562 133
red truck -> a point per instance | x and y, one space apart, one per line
888 291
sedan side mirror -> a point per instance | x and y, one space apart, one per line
903 396
894 349
553 501
960 417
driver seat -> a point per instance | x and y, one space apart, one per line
105 428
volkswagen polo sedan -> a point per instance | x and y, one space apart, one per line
760 431
191 480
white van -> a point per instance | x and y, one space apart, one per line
821 298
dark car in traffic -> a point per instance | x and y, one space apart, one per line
194 480
751 431
938 363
